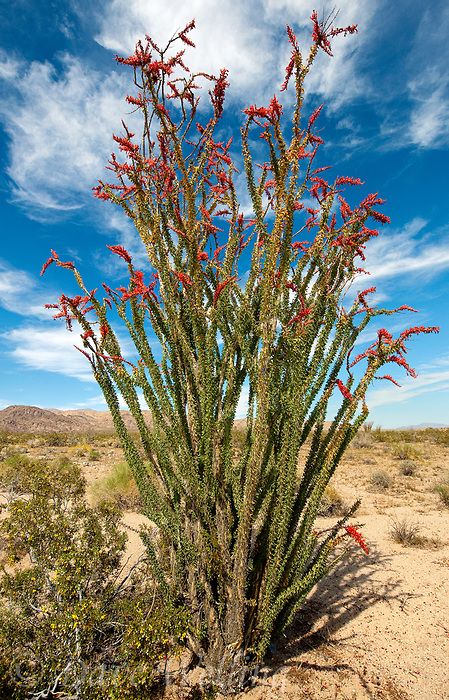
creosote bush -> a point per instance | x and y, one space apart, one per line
73 623
258 303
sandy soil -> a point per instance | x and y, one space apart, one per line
378 627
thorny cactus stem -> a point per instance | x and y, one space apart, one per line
235 535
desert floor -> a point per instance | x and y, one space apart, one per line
378 626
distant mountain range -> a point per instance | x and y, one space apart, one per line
423 426
32 419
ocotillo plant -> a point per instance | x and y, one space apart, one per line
235 535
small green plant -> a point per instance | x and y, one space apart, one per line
119 487
94 455
56 439
443 491
404 451
381 480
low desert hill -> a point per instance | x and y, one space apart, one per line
31 419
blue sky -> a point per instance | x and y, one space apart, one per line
386 120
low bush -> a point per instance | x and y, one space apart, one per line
72 622
405 451
406 533
408 468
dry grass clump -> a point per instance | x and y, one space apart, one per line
362 439
381 480
332 503
406 533
119 487
409 535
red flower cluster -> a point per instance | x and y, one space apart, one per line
357 537
323 31
272 112
55 258
220 286
120 251
344 390
218 93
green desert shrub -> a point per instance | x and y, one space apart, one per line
73 623
405 451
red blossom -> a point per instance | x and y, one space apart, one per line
99 193
300 245
87 334
416 330
322 31
218 94
49 261
385 336
382 218
390 379
314 116
291 64
138 101
299 317
361 295
183 278
218 250
220 286
272 112
405 307
345 209
348 181
55 258
202 255
104 330
398 360
125 144
357 537
344 390
120 251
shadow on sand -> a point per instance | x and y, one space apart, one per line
351 588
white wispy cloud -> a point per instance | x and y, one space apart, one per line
397 253
50 350
53 349
59 124
428 85
428 382
244 37
19 292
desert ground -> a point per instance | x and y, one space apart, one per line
378 626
